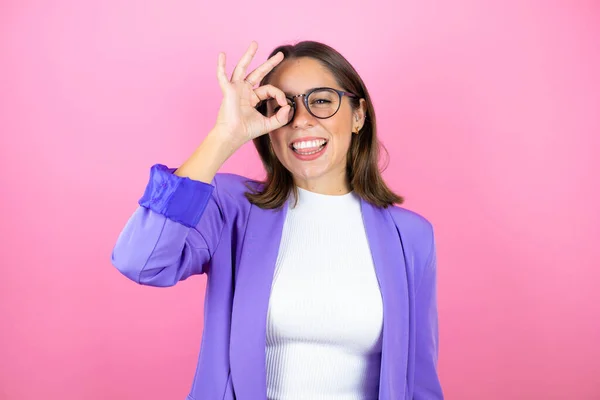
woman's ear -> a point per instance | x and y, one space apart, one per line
359 116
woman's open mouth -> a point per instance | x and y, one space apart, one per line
308 149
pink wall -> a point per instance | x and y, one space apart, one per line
491 117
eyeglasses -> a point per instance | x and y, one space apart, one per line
322 103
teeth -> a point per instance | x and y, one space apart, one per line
308 144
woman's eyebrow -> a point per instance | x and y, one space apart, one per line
295 94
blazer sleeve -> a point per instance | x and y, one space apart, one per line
173 233
427 383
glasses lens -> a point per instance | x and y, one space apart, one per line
324 103
273 107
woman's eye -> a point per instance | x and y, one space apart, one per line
321 101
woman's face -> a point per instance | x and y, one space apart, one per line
314 150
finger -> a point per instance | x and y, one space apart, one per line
271 92
240 69
260 72
278 120
221 74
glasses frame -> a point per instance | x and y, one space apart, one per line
306 95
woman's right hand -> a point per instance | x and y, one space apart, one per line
238 118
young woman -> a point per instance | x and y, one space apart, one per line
319 286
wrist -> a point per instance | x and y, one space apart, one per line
224 141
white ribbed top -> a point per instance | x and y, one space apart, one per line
325 318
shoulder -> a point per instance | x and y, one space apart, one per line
230 190
232 184
416 233
411 223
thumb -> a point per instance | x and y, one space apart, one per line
278 120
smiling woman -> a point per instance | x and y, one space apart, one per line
328 103
320 285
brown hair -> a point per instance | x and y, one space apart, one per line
362 169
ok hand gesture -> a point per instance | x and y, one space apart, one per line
238 117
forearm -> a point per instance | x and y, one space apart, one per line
208 158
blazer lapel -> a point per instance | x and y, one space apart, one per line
390 267
252 291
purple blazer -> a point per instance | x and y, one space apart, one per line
184 227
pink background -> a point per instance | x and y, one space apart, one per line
490 114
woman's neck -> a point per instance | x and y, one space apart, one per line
331 187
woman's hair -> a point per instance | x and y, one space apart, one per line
362 168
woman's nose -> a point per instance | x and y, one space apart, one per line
301 115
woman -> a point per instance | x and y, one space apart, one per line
319 287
